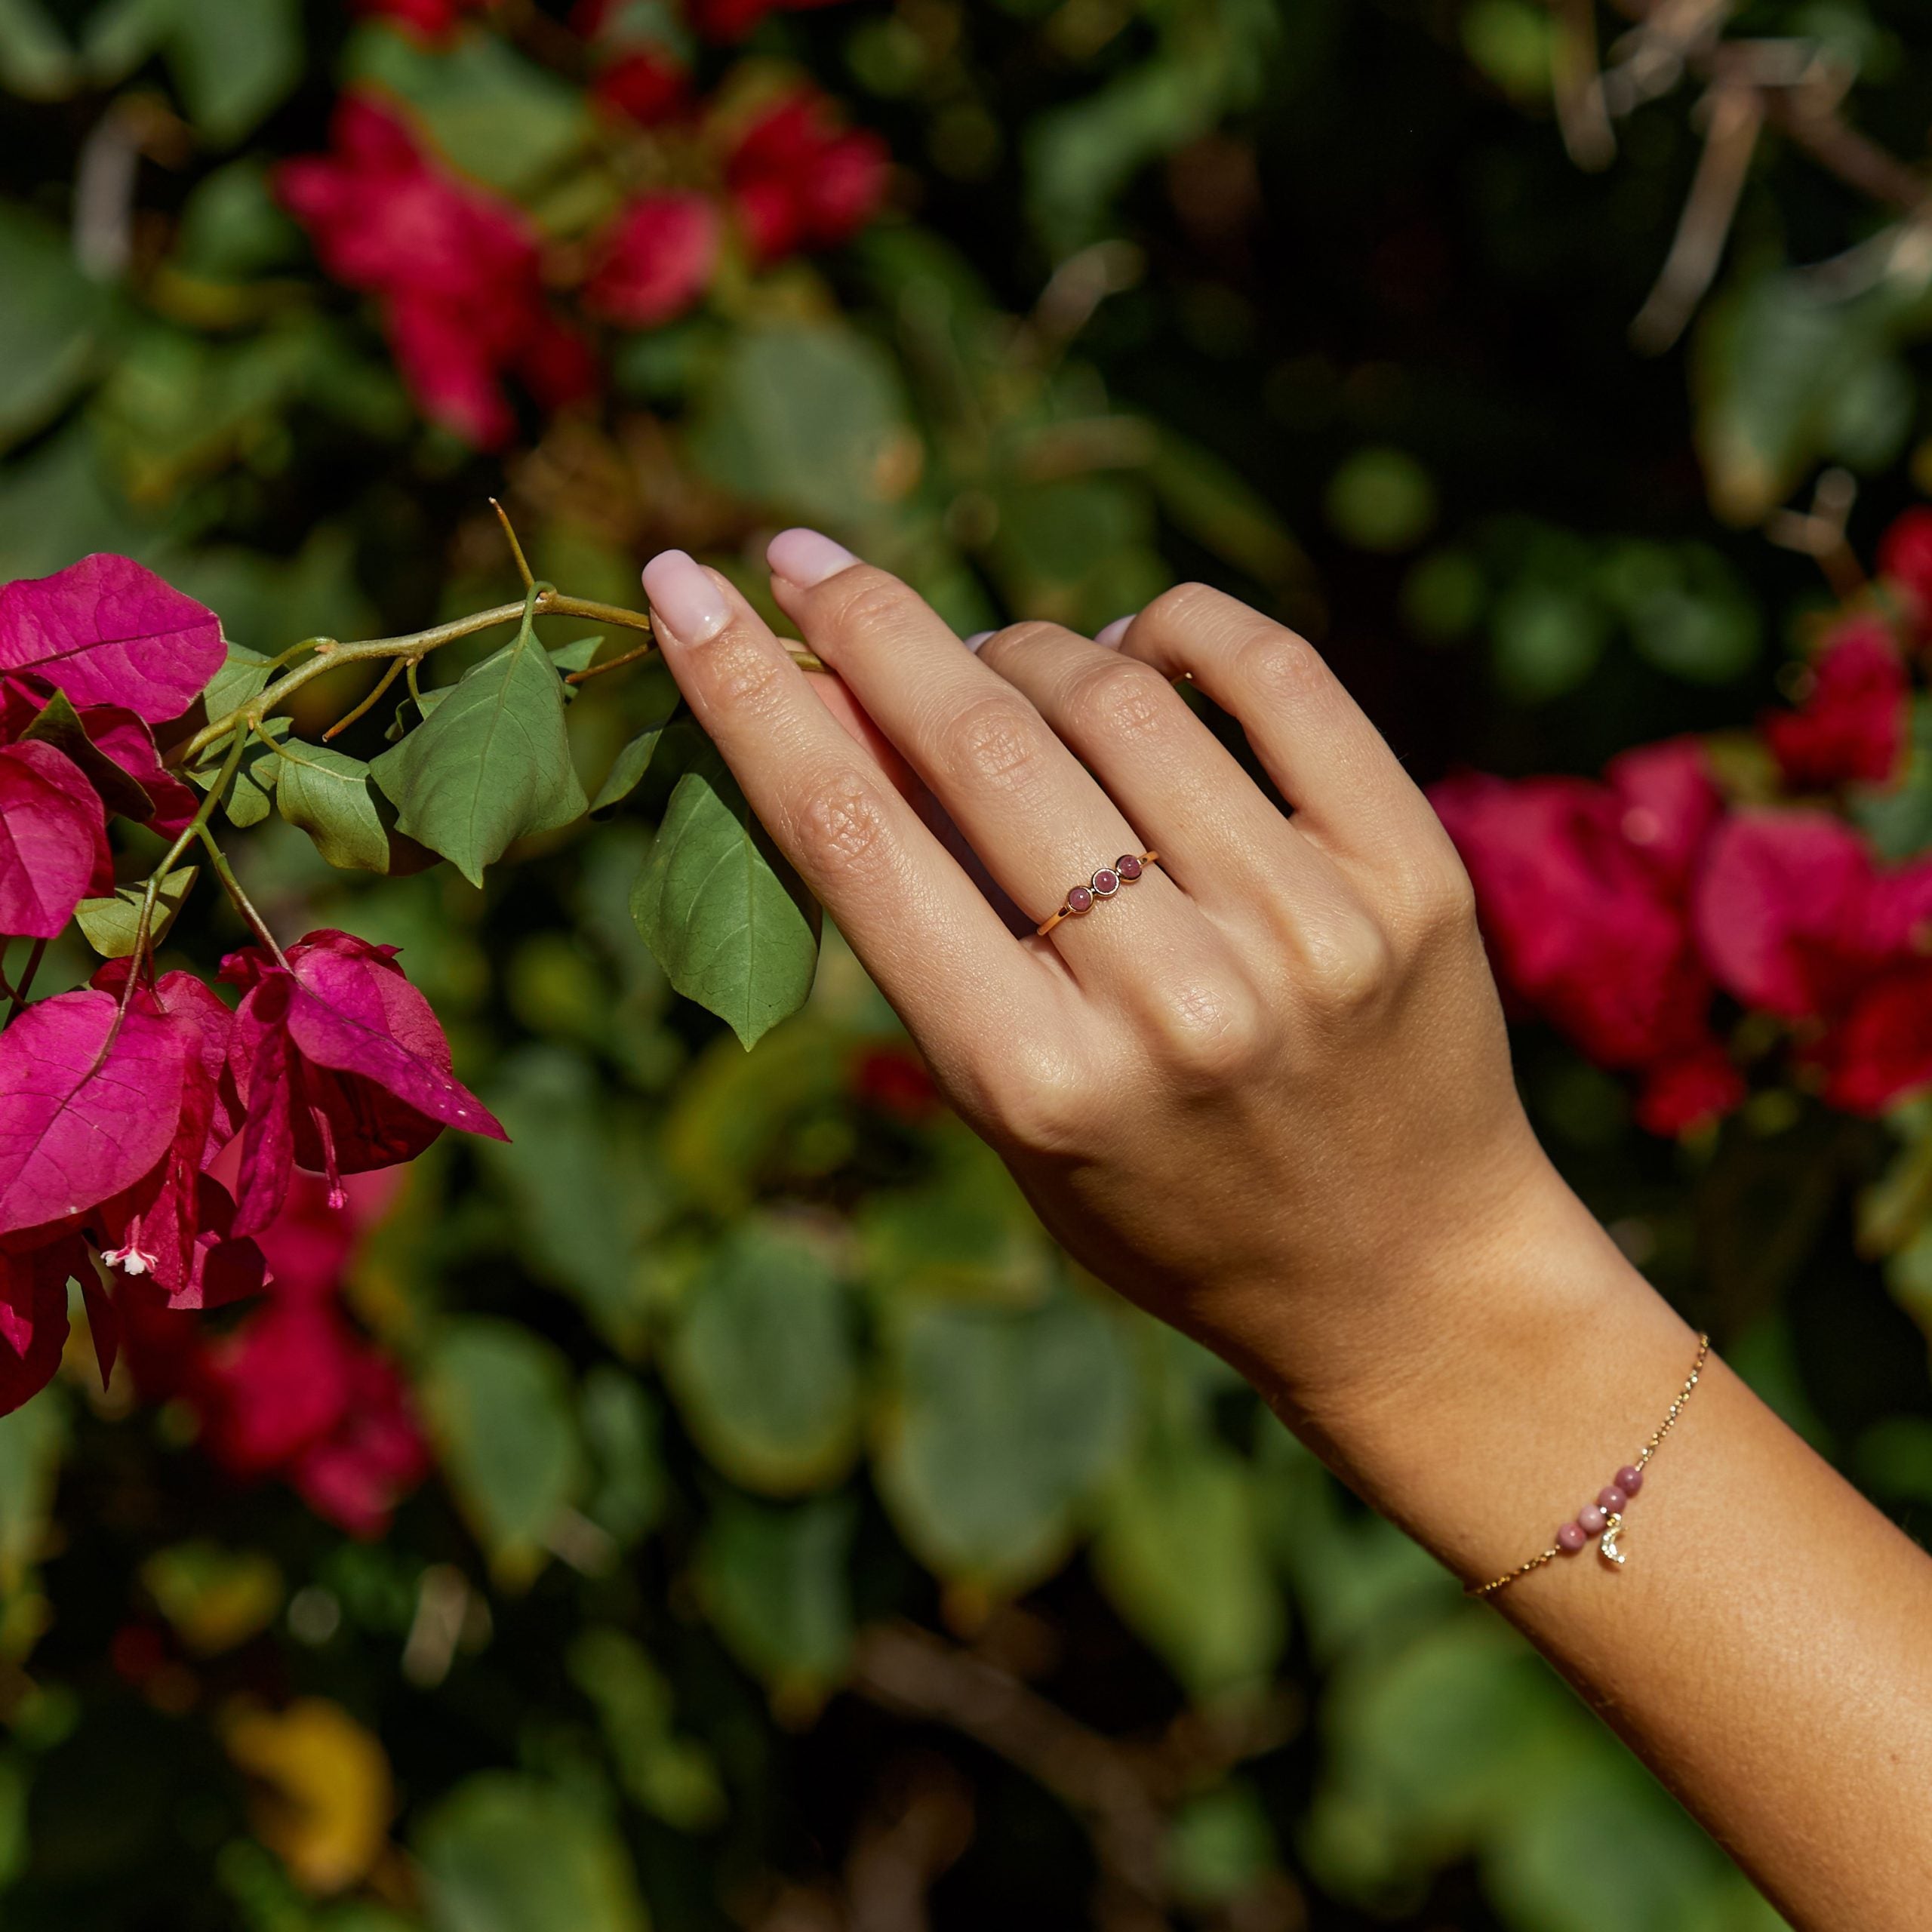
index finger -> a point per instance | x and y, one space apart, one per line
923 930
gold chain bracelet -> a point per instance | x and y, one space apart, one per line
1605 1517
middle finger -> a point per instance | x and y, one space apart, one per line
1040 821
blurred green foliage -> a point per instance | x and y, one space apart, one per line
740 1367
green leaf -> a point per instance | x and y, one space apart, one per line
331 797
620 1425
494 114
1081 155
764 1362
110 925
1381 499
966 1230
36 63
32 1440
250 798
722 911
233 60
506 1853
774 1582
1002 1425
810 418
1223 1845
1180 1555
58 725
51 323
1786 370
576 656
672 1778
632 763
1218 507
243 676
500 1406
581 1192
488 764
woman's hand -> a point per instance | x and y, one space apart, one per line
1265 1090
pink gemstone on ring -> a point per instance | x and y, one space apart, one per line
1106 882
1079 900
1128 866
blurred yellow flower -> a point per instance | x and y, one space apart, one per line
327 1795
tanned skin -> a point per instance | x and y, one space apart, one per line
1265 1092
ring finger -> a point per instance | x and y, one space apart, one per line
1124 720
1040 821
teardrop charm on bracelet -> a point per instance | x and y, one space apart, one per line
1612 1530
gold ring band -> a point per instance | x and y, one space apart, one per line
1103 885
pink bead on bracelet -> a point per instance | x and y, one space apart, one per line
1605 1517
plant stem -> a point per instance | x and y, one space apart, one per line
26 986
516 548
242 903
190 832
369 703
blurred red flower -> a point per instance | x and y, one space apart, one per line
732 19
645 85
456 269
1851 724
1583 889
1905 556
1796 918
654 260
430 19
798 181
296 1391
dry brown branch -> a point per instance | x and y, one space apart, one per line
1577 77
1736 116
922 1820
1121 1791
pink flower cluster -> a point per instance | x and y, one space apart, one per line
1619 911
118 1101
109 641
461 274
296 1391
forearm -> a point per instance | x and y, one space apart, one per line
1764 1646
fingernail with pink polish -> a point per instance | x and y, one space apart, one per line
688 605
804 557
1111 635
978 637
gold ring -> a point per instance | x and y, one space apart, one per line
1103 885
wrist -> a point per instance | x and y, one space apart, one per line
1478 1398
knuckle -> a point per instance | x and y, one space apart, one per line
1351 966
742 675
1039 1101
1121 698
1276 663
1185 606
1211 1030
1433 899
996 740
843 825
870 606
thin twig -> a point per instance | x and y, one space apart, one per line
26 986
1578 80
369 703
242 903
1737 115
590 671
189 833
516 548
